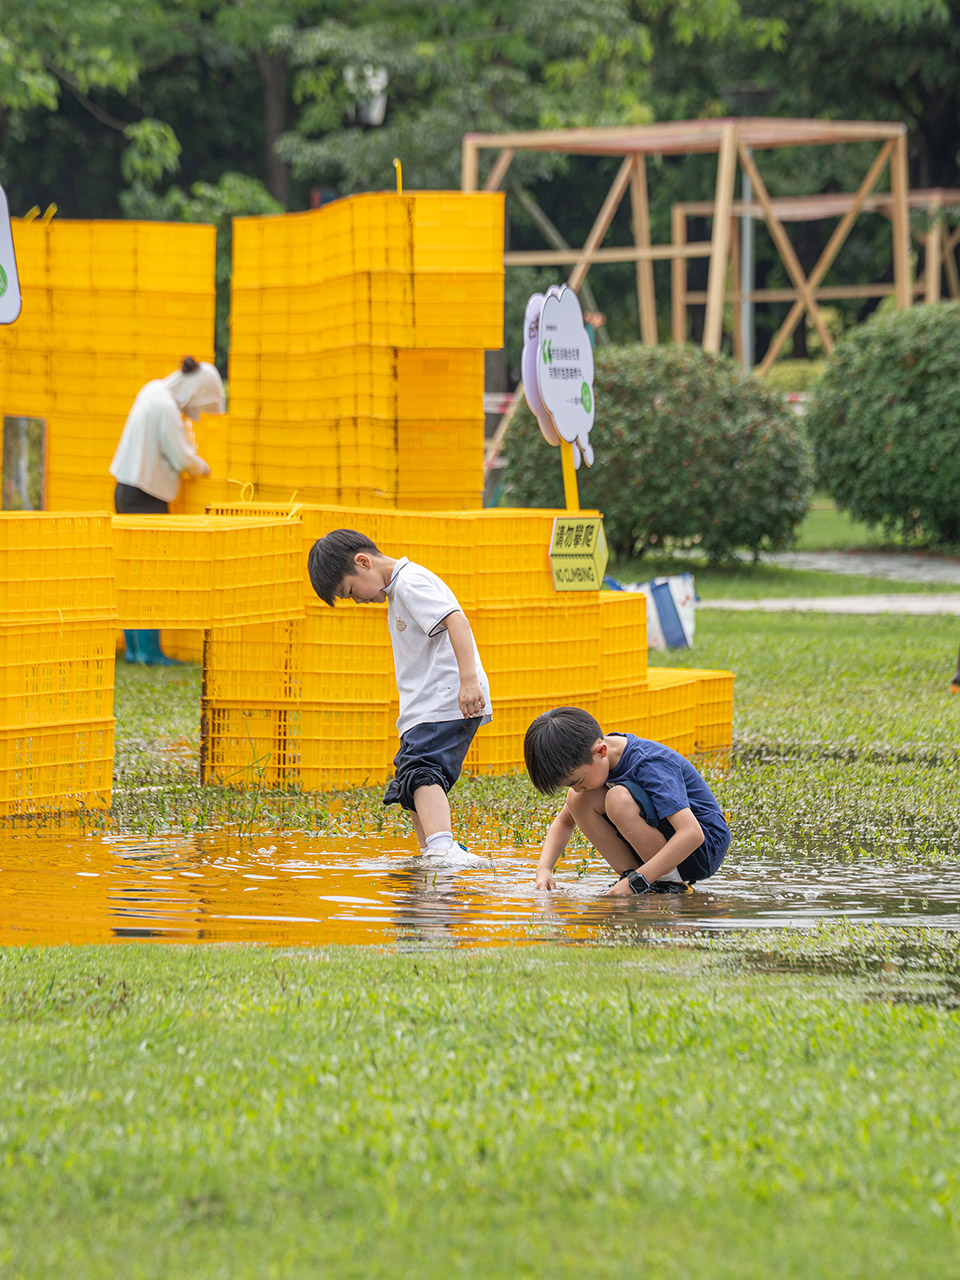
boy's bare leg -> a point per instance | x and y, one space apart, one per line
432 812
588 809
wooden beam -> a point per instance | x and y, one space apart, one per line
950 262
733 291
640 218
899 182
825 261
678 274
499 171
622 253
716 281
602 223
785 249
826 293
469 163
933 243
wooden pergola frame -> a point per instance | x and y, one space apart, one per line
734 141
940 248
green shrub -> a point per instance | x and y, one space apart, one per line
794 375
885 422
689 450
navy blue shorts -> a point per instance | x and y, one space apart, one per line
430 755
697 865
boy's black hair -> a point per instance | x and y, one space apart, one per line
331 559
558 742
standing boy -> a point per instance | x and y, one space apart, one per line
444 695
643 806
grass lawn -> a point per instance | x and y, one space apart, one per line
765 1105
521 1112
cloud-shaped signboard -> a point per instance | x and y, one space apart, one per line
557 368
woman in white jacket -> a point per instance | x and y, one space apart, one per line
156 447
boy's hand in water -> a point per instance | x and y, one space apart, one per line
545 880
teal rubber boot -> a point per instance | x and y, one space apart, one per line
151 655
132 639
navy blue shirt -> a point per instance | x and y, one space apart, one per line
672 783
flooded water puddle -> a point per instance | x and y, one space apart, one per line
310 890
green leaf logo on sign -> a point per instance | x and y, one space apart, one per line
3 282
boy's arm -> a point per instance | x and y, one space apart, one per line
461 637
687 836
561 829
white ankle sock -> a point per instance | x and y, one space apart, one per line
671 875
439 839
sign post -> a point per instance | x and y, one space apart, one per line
557 367
10 301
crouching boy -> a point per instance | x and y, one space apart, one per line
444 696
643 806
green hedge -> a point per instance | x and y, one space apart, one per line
885 422
690 451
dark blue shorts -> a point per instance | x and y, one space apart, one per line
697 865
430 755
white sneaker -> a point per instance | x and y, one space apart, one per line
452 854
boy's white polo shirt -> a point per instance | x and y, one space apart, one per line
428 677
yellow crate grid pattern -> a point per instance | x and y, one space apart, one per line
203 571
56 672
382 232
56 767
56 566
547 651
669 705
714 710
313 745
368 320
623 639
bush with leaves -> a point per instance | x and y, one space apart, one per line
885 422
690 451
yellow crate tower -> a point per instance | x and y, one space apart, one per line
58 620
106 307
357 338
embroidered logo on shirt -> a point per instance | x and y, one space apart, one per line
401 625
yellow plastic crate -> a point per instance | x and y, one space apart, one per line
56 672
623 707
345 744
512 557
344 654
714 710
317 746
439 384
201 571
243 744
550 652
670 709
460 231
56 566
56 767
623 638
498 746
435 457
185 646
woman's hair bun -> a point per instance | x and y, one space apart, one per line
189 365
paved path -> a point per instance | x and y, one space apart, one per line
902 568
923 570
922 602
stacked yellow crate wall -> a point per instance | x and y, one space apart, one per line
314 704
58 620
357 343
106 307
